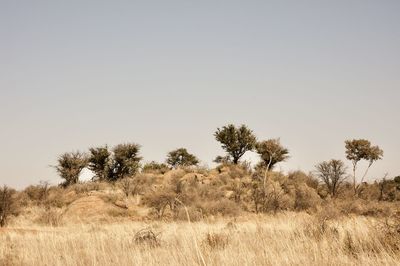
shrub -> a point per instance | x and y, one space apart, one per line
222 207
306 198
181 157
7 204
70 166
147 237
131 186
160 200
216 240
38 193
155 168
50 216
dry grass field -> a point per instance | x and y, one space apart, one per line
287 238
201 217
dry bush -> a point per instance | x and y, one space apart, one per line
160 200
390 232
202 169
147 237
306 198
143 183
216 240
195 213
8 204
300 177
155 168
50 217
366 208
222 207
112 198
55 198
85 187
43 195
327 211
271 196
120 212
235 170
317 229
129 186
38 193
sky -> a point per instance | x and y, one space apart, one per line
166 74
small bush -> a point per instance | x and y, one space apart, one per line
38 193
50 216
155 168
216 240
147 237
306 198
223 207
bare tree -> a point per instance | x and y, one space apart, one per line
333 174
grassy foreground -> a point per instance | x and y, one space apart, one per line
282 239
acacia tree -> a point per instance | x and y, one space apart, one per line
236 141
271 152
181 157
69 167
333 174
125 162
361 149
99 160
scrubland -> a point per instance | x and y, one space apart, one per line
198 216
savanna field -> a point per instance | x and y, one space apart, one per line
205 133
194 217
180 213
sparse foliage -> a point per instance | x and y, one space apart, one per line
361 149
70 166
181 157
236 141
333 174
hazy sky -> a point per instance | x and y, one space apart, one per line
166 74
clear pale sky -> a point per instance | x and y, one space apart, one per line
166 74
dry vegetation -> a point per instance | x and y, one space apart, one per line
181 214
144 221
283 239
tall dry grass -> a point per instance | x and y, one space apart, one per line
283 239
